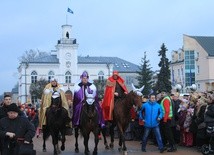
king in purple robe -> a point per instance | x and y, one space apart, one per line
80 98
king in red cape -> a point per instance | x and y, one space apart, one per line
115 89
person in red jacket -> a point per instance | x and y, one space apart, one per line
115 89
166 105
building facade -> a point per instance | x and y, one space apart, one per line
194 63
66 66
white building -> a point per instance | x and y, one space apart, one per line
65 65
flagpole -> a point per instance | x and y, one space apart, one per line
66 19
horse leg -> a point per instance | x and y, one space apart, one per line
122 144
111 131
120 139
55 136
86 138
63 139
44 136
76 139
55 149
104 137
96 141
44 145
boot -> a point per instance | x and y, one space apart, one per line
173 148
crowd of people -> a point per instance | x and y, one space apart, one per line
186 120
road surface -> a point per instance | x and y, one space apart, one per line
134 148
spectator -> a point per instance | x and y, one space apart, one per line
166 105
14 129
152 116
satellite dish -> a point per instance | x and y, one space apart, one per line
178 87
193 87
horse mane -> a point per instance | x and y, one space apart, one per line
128 99
123 106
88 112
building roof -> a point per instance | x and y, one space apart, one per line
119 64
15 90
45 59
207 42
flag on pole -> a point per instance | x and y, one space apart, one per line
70 11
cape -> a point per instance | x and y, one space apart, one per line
108 100
46 102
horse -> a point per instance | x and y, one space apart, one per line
122 116
89 122
56 119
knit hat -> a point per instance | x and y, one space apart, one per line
13 107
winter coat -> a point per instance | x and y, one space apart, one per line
152 114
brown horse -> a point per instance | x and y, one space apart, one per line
122 116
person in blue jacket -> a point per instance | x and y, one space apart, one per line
151 113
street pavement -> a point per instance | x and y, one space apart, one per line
132 146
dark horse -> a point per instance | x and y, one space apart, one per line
56 120
89 121
122 116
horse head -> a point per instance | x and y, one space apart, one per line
90 98
90 107
56 101
138 95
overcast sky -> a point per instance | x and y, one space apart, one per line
121 28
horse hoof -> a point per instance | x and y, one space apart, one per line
87 152
125 153
44 150
55 153
119 149
95 153
107 147
111 145
76 150
63 147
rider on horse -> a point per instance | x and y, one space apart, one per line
46 99
80 99
115 89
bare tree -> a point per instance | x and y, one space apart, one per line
32 54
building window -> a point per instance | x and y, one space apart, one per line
129 80
199 86
179 56
198 69
197 56
67 35
68 77
101 76
33 77
173 58
34 99
50 75
189 68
